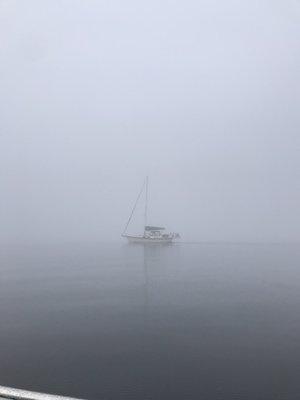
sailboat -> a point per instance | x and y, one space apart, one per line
151 234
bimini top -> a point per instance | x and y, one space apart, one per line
153 228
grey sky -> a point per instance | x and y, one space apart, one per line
203 96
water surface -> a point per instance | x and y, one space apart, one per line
117 321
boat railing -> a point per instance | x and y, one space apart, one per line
7 393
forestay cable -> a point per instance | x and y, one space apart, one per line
134 207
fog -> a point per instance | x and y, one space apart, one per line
200 95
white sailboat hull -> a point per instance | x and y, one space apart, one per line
145 240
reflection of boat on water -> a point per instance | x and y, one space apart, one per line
151 234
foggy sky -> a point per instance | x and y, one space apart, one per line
201 95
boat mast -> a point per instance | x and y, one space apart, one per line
146 204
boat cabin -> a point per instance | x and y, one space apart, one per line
153 232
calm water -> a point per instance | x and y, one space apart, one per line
114 321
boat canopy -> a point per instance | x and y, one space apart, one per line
153 228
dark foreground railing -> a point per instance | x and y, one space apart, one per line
8 393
